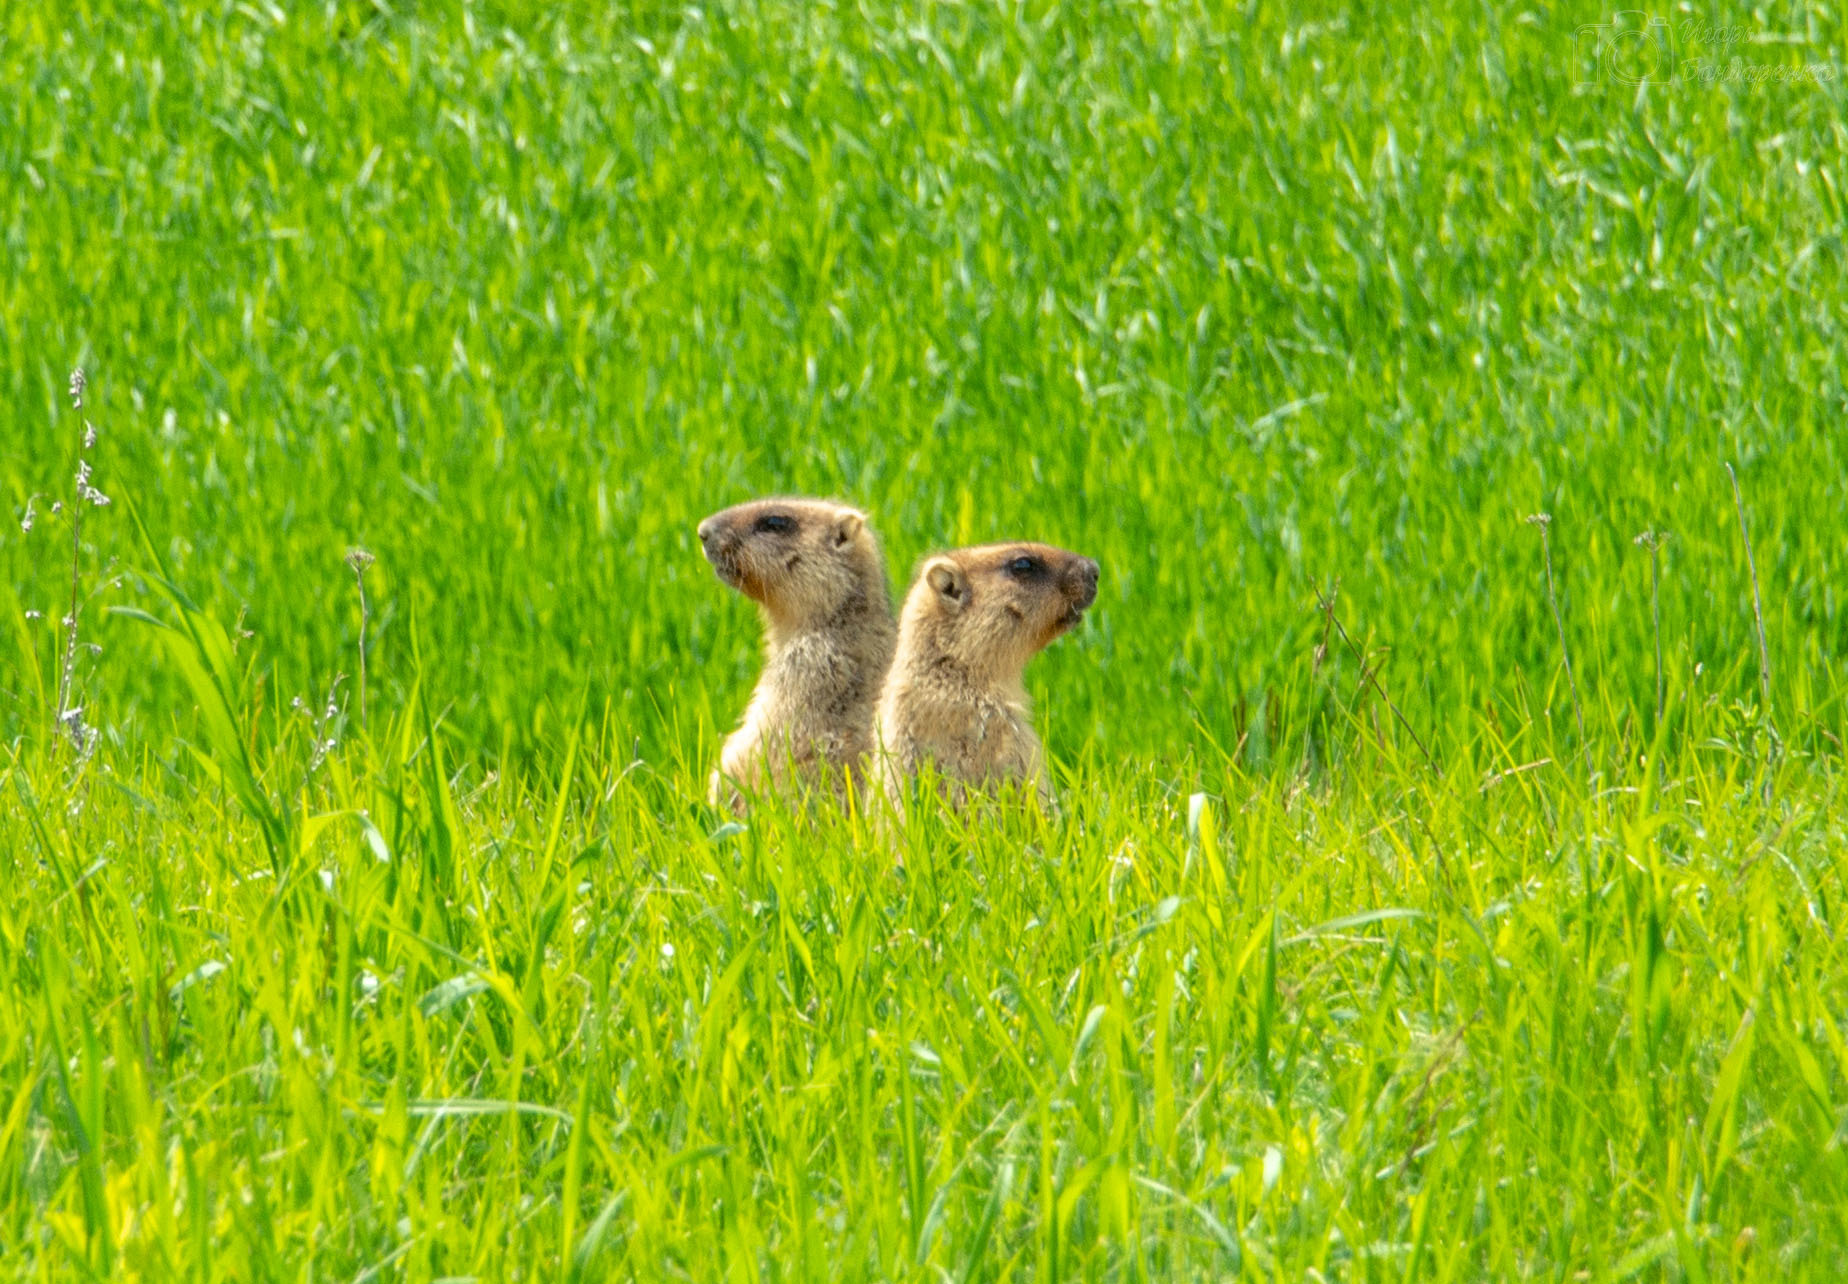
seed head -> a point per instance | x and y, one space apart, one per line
359 559
78 383
89 435
1542 520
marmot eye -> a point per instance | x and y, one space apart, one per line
776 524
1023 566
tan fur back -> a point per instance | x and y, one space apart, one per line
815 569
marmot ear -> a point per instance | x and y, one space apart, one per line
947 581
846 526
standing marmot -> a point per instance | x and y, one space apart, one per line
815 569
971 622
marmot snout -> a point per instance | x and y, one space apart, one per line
816 570
971 622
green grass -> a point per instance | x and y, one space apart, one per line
1240 303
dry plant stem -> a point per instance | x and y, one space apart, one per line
1559 622
1328 621
359 559
1369 676
1758 618
1653 541
69 670
67 673
1655 603
1758 612
365 617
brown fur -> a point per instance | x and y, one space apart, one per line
954 698
828 632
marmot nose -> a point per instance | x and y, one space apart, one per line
706 531
1084 581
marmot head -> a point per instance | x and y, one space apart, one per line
991 609
806 561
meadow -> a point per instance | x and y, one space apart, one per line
1436 893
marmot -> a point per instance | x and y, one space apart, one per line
971 622
816 570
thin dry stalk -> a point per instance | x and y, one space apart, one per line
1653 541
69 715
71 618
1758 619
359 559
1368 675
1758 611
1544 521
1328 622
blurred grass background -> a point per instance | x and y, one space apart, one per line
1235 300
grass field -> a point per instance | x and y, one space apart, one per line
1369 943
